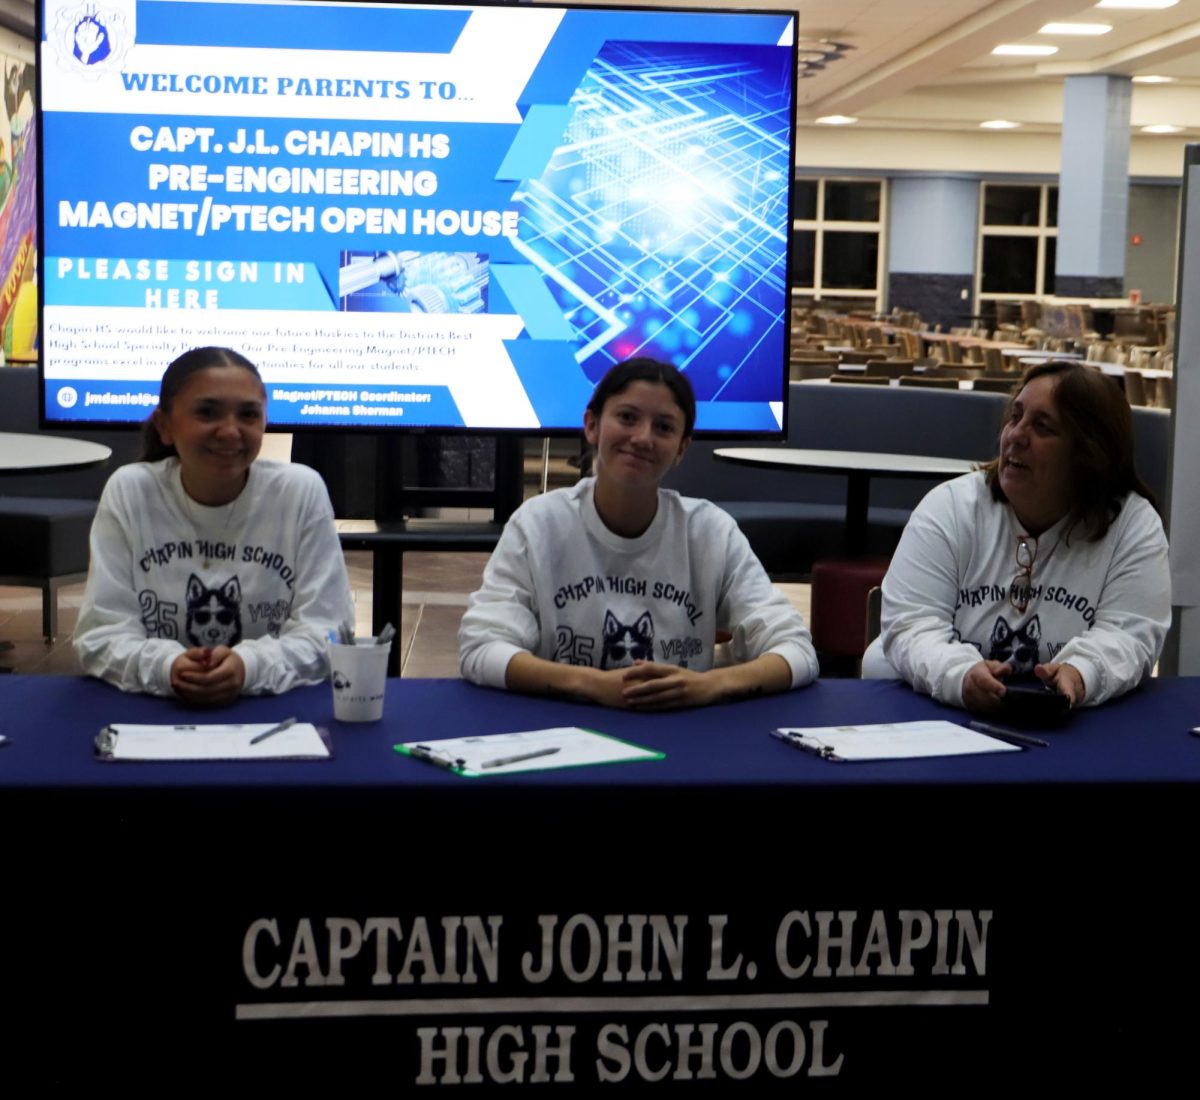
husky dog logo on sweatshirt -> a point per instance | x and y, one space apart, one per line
1019 647
214 615
624 644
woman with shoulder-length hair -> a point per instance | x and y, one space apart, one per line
1050 560
212 574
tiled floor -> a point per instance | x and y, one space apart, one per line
435 594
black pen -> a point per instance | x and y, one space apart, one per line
287 723
1011 736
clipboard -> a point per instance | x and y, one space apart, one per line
891 741
526 751
122 742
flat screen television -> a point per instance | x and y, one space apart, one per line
409 216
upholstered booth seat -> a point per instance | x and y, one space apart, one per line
44 536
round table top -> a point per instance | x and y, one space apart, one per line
879 464
43 454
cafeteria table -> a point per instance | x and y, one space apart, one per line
858 467
23 453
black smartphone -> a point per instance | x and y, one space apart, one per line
1031 704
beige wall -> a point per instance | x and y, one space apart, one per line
978 153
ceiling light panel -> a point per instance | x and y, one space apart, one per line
1082 30
1015 49
1136 5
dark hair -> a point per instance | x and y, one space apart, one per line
623 375
1099 428
197 359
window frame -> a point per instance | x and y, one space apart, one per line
820 225
1042 232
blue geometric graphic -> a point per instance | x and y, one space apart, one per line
659 223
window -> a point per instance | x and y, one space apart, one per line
837 229
1018 235
804 200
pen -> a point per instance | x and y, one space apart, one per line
1011 736
500 762
424 752
386 635
287 723
825 752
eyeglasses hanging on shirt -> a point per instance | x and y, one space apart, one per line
1021 590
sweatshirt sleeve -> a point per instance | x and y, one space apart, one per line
919 595
110 635
320 602
759 616
502 617
1126 637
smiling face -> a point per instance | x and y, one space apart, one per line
1035 458
216 425
638 435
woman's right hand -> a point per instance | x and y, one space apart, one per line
983 686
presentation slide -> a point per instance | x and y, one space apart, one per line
406 216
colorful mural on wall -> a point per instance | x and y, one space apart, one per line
18 213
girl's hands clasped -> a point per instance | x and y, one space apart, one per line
208 677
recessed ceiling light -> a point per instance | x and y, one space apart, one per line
1154 80
836 120
1076 28
1162 128
1137 5
998 124
1012 50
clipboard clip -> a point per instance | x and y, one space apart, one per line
106 743
436 758
815 748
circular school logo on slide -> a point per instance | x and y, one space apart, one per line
88 39
67 397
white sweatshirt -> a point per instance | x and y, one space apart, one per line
562 586
1104 607
274 584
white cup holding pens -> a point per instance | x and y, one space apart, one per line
358 672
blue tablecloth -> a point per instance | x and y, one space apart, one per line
52 721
